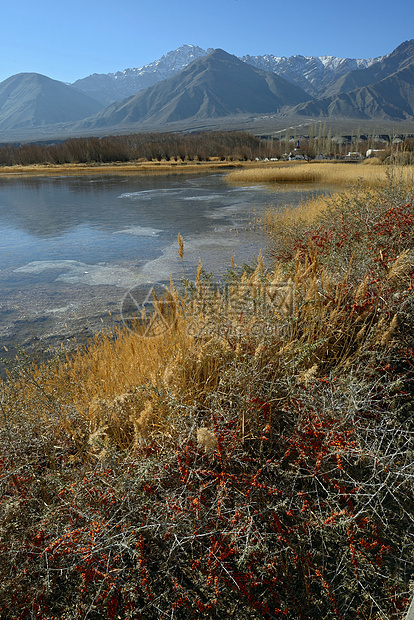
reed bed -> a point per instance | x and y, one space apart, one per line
252 460
163 167
330 174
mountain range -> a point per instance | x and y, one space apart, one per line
191 87
311 73
216 85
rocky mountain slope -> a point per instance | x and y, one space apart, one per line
216 85
383 91
312 73
33 100
110 87
401 58
214 90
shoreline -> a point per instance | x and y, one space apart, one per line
147 167
34 318
119 168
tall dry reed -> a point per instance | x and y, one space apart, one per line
322 173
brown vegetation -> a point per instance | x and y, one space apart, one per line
323 173
254 460
142 167
147 147
170 150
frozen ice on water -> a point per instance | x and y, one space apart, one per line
207 198
149 194
139 231
75 272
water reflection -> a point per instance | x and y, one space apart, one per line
70 247
48 207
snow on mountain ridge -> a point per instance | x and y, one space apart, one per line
110 87
360 63
175 61
312 73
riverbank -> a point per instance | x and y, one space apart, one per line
146 167
253 458
260 170
326 173
238 172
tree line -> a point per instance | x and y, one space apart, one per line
141 146
236 146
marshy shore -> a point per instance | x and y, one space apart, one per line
241 171
146 167
253 458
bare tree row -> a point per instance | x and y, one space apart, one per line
189 147
147 146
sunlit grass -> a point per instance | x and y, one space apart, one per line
162 167
322 173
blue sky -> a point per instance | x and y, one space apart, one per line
70 40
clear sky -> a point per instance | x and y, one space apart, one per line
70 40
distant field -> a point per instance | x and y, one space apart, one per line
162 167
114 168
248 172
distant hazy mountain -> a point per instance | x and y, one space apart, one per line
400 58
312 73
213 86
387 93
110 87
32 100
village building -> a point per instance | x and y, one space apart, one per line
297 153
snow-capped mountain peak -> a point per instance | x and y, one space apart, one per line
312 73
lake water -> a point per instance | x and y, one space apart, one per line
71 247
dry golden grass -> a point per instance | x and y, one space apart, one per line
118 389
293 173
115 389
276 222
111 385
125 390
342 174
372 161
145 166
